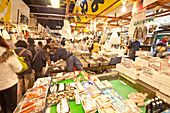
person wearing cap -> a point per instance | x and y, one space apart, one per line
73 63
161 43
134 46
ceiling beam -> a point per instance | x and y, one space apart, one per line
89 15
51 18
42 6
48 14
68 6
158 13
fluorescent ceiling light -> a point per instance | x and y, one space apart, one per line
55 3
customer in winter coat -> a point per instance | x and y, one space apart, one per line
40 61
32 47
70 58
25 78
9 65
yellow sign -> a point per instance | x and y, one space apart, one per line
5 10
93 7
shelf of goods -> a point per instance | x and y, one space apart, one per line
156 74
75 92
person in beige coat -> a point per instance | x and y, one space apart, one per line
9 65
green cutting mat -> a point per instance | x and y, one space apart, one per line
124 90
121 88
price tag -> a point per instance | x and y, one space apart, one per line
142 53
126 62
147 71
168 62
155 64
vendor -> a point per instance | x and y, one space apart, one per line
95 47
161 43
133 48
73 63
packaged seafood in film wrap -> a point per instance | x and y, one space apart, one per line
80 88
107 84
34 99
137 98
55 98
85 74
131 105
63 106
100 85
88 104
109 108
70 86
77 97
71 76
77 73
91 87
61 87
54 88
102 100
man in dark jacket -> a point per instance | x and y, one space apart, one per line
32 47
133 48
70 58
40 61
63 42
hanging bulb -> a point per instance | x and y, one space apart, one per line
123 9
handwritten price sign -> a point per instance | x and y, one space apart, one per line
147 71
155 64
142 53
126 62
168 62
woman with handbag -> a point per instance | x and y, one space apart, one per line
9 65
25 78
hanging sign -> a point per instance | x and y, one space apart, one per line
148 71
142 53
5 10
138 7
155 64
168 62
126 62
93 7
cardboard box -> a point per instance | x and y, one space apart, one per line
164 88
149 81
129 72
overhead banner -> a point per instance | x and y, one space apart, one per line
5 10
93 7
138 7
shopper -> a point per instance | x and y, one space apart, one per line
63 42
73 63
9 65
133 48
161 43
40 45
40 61
32 47
26 79
84 46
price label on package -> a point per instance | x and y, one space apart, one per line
126 62
148 71
155 64
142 53
168 62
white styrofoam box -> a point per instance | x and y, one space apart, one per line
129 72
141 62
163 96
165 89
162 78
149 81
